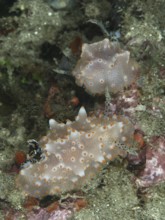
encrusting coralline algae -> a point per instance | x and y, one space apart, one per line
73 152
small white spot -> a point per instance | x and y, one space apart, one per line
57 178
88 135
125 78
88 121
101 145
101 81
54 169
62 125
84 153
73 159
111 65
121 130
68 169
74 179
45 166
52 123
46 177
59 157
61 165
100 138
99 60
91 155
123 138
132 68
38 183
62 141
82 113
81 146
93 125
74 135
100 159
81 173
73 149
49 13
109 156
111 147
103 128
81 160
90 83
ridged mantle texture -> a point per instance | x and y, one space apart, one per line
103 65
74 153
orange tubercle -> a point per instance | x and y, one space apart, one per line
76 45
80 203
75 101
52 207
30 203
138 137
20 157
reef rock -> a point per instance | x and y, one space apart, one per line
154 171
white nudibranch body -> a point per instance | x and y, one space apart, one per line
104 65
73 153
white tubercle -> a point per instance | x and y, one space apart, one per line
82 115
52 123
81 173
74 135
100 158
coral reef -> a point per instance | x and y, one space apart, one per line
40 43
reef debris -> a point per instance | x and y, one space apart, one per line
154 171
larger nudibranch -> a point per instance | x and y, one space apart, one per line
73 153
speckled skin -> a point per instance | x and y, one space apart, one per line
104 65
73 153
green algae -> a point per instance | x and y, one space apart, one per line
115 197
154 207
8 193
